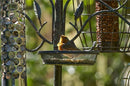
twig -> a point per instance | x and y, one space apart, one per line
53 17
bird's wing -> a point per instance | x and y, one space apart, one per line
69 46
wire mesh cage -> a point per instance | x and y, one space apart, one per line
13 42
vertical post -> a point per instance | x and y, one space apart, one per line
57 32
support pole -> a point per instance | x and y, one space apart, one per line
57 32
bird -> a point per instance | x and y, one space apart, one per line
65 44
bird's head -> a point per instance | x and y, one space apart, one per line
63 39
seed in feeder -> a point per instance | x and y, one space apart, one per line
19 40
15 75
20 68
16 61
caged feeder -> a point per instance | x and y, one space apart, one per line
105 28
12 26
113 28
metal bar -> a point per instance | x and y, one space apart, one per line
64 13
108 32
53 16
58 75
80 52
80 20
57 32
68 52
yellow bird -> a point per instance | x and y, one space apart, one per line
66 44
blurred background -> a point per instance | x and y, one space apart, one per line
105 72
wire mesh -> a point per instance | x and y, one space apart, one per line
12 43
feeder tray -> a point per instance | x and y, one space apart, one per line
56 57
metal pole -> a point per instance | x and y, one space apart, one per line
57 32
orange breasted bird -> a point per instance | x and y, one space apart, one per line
66 44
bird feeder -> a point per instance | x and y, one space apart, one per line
111 36
12 43
107 27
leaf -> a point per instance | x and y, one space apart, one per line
79 10
37 10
